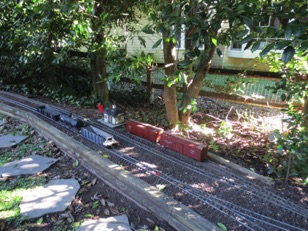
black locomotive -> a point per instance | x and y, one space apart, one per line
90 132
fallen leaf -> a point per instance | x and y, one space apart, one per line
39 221
59 222
53 218
81 191
76 163
84 182
161 186
65 215
150 220
222 226
87 205
107 212
110 204
103 202
93 182
114 211
95 205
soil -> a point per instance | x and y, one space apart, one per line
94 200
236 132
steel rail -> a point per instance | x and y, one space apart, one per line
247 186
196 194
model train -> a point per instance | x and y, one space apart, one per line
154 134
170 141
90 132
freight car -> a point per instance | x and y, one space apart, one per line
143 130
90 132
178 144
97 136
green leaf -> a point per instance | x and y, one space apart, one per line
95 204
267 49
271 137
282 44
162 28
161 187
219 53
299 156
185 63
76 163
190 54
283 97
214 41
142 41
247 39
222 226
39 221
248 21
157 43
288 54
248 45
256 46
288 32
241 33
170 83
147 30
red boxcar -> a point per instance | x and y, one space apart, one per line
184 146
143 130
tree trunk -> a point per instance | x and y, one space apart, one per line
170 85
99 72
195 84
306 113
184 114
50 69
99 78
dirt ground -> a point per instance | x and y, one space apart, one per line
236 132
94 200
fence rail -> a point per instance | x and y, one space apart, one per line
255 91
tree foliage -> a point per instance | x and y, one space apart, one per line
46 30
209 24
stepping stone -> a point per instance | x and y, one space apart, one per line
106 224
2 122
53 197
8 141
27 166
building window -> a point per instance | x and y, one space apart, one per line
236 46
237 50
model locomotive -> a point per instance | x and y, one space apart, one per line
90 132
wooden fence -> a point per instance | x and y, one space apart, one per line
256 92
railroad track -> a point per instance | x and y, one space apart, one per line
239 212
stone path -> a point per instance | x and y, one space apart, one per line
106 224
53 197
8 141
27 166
56 195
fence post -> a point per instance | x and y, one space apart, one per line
150 85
